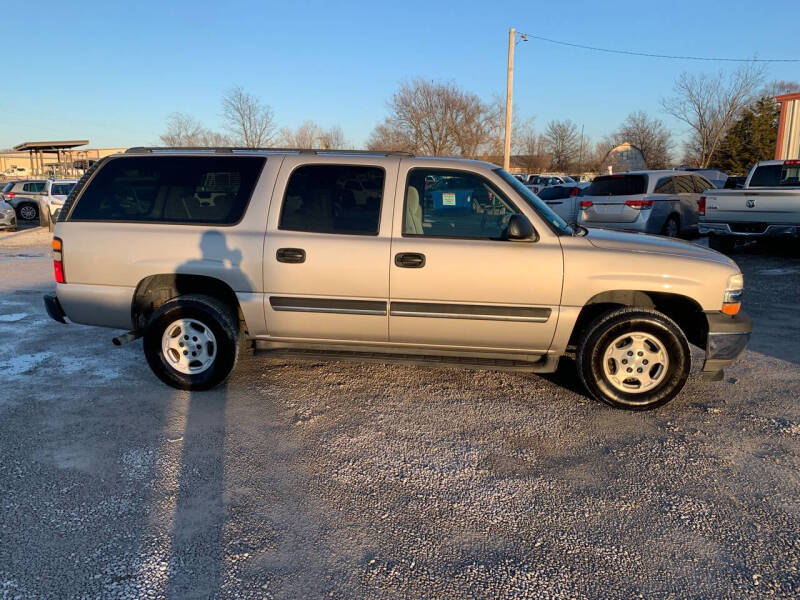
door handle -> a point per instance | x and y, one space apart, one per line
410 260
291 255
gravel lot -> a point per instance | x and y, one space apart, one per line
342 480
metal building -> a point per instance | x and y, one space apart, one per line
788 146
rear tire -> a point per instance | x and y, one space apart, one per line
652 346
212 331
672 227
721 243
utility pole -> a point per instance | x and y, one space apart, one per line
509 91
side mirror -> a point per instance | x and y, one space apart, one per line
520 230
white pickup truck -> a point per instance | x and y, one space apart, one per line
767 206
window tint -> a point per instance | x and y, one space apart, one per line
618 185
683 184
776 175
35 187
459 204
333 199
701 184
61 189
170 189
554 193
664 186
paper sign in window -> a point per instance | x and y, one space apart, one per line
448 199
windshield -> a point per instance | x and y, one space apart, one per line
557 223
787 174
61 189
618 185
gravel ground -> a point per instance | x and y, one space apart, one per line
341 480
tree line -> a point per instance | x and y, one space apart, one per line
731 117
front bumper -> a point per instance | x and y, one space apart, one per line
750 230
53 308
727 339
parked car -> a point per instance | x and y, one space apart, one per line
26 197
35 197
664 202
8 216
500 282
767 206
715 176
540 182
15 171
563 200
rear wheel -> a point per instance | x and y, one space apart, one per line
633 358
28 212
672 227
192 342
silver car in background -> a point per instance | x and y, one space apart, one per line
661 202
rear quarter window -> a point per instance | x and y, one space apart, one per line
213 190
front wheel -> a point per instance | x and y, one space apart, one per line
634 358
192 342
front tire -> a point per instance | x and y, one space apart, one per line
27 211
192 342
633 358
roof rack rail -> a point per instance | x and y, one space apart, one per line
235 150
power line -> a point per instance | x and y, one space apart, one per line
649 55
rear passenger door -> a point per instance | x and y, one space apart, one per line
326 253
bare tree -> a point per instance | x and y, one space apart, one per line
435 118
709 104
650 135
529 147
333 138
305 136
562 140
250 122
185 130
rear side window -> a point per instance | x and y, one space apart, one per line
7 187
618 185
684 184
344 199
210 190
664 186
36 187
554 193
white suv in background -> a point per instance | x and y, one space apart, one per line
31 197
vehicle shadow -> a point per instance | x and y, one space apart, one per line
566 376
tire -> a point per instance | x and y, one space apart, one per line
721 243
27 211
218 325
652 330
672 227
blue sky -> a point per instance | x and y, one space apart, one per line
112 72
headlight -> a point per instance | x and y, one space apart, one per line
732 299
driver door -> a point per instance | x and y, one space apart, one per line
455 282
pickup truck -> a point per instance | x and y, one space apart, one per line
203 252
767 206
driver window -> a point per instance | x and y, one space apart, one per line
444 203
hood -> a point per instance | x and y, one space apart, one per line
654 244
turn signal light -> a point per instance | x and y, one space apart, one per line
701 206
58 260
584 204
731 308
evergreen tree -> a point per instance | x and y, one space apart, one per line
751 138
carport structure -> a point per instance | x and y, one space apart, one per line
63 150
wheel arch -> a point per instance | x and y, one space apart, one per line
154 290
685 311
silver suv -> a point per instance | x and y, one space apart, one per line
380 257
664 202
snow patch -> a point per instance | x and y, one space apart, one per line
15 366
13 317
